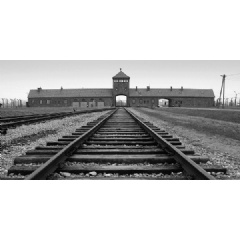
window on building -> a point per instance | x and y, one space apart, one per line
152 100
48 101
133 101
65 101
40 101
75 100
32 100
83 100
144 101
116 89
140 101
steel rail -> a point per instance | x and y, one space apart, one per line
18 118
23 117
53 163
44 117
187 164
33 116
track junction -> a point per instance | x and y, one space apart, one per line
13 122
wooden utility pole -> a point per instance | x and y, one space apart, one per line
222 89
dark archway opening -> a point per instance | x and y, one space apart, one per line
121 101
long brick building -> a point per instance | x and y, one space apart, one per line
135 97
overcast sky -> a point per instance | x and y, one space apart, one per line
18 77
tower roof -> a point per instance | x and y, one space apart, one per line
121 75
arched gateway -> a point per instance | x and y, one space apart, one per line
121 87
120 95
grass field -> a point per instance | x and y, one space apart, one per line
9 112
209 122
219 140
227 115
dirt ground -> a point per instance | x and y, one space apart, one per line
219 140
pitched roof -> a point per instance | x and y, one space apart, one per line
48 93
166 92
121 75
100 92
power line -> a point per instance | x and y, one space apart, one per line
233 78
233 74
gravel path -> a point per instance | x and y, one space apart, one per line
220 149
25 138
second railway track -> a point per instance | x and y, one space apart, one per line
118 145
13 122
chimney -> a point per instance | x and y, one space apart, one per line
181 88
171 88
136 88
148 88
61 88
39 89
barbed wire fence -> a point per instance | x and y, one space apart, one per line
229 102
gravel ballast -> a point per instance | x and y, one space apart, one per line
27 137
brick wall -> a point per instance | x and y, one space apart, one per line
191 102
173 102
143 102
66 102
133 102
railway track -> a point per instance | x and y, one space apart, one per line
12 122
118 145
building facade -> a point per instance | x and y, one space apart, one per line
135 97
